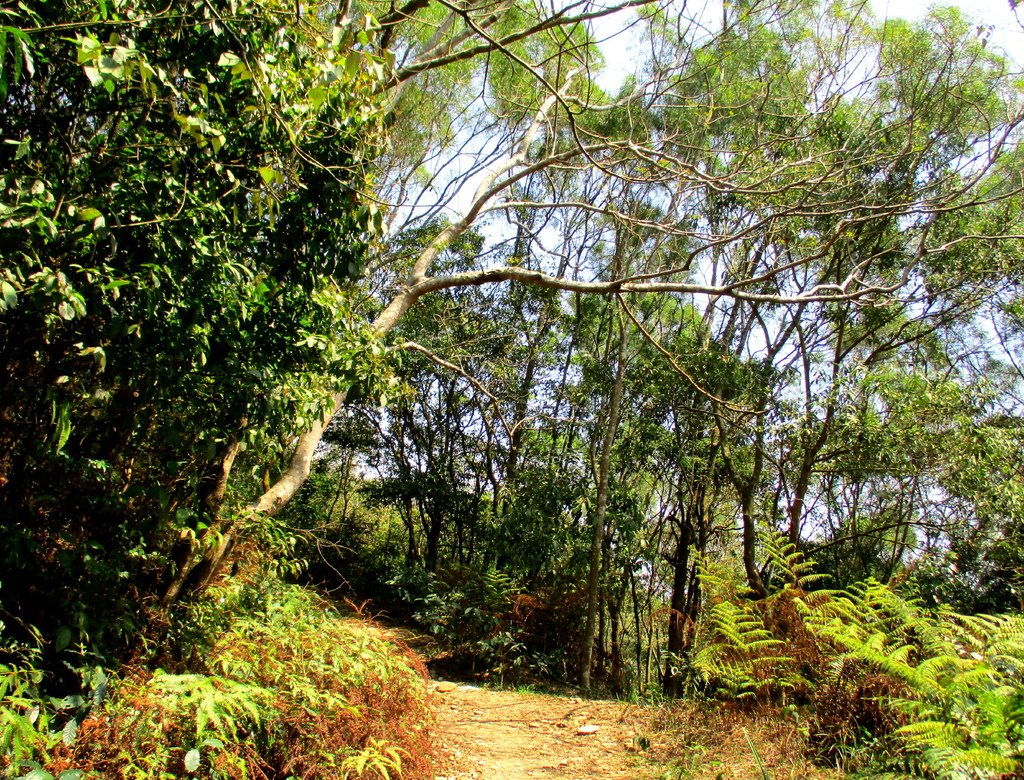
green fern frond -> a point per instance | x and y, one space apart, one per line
219 707
932 734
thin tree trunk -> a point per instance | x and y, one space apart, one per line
616 676
746 487
184 572
601 510
754 581
680 560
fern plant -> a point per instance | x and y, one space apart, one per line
785 561
968 711
286 688
735 653
928 693
957 682
24 717
741 654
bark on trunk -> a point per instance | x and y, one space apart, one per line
754 581
187 577
601 510
672 684
617 671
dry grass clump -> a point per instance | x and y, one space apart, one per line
709 741
291 690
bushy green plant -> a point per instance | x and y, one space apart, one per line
469 610
745 648
896 688
740 659
172 283
32 724
285 687
956 682
23 716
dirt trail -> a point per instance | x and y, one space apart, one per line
504 735
488 734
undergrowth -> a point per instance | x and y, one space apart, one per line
879 684
488 627
268 682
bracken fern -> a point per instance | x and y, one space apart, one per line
289 689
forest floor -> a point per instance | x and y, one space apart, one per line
493 734
489 734
485 733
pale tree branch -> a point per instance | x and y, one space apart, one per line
850 289
301 462
437 359
678 368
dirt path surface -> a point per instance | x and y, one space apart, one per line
504 735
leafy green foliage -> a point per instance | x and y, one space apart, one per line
24 719
287 686
936 692
960 678
752 649
181 221
471 612
739 661
895 688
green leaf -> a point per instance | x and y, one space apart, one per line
88 215
64 635
10 296
17 68
94 76
192 760
112 66
89 48
352 62
69 733
62 423
229 60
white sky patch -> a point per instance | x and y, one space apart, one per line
619 44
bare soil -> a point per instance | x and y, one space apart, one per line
490 734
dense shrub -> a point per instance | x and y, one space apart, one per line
285 689
487 626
